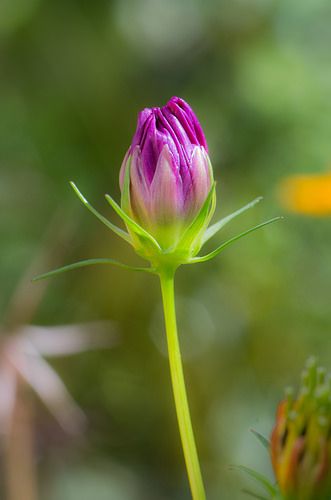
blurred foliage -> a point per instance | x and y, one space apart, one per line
258 74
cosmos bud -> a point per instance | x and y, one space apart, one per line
301 439
166 174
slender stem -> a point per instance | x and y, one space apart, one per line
178 385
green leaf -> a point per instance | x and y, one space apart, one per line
255 495
199 221
219 249
263 440
125 197
90 262
212 230
263 481
136 228
110 225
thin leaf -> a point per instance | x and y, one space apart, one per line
218 250
106 222
136 228
198 222
255 495
90 262
212 230
263 481
263 440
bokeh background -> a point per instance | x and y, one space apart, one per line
74 74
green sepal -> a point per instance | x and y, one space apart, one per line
125 196
263 440
262 480
210 168
140 232
229 242
212 230
200 221
255 495
90 262
106 222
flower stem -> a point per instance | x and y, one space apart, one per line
178 385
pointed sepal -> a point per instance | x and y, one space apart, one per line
212 230
106 222
263 440
252 494
229 242
90 262
133 226
191 238
259 478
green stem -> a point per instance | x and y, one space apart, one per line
178 385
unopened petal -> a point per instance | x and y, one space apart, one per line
188 120
139 188
200 181
166 190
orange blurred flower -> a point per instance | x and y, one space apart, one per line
307 194
300 445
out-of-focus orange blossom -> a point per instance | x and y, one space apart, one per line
307 194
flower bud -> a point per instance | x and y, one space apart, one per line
166 174
301 439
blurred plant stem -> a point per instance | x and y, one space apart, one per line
20 467
179 390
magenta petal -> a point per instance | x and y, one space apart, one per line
166 189
140 196
144 118
201 180
189 121
171 176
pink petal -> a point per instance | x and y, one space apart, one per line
166 189
201 180
140 191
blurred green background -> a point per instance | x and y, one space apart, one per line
74 74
